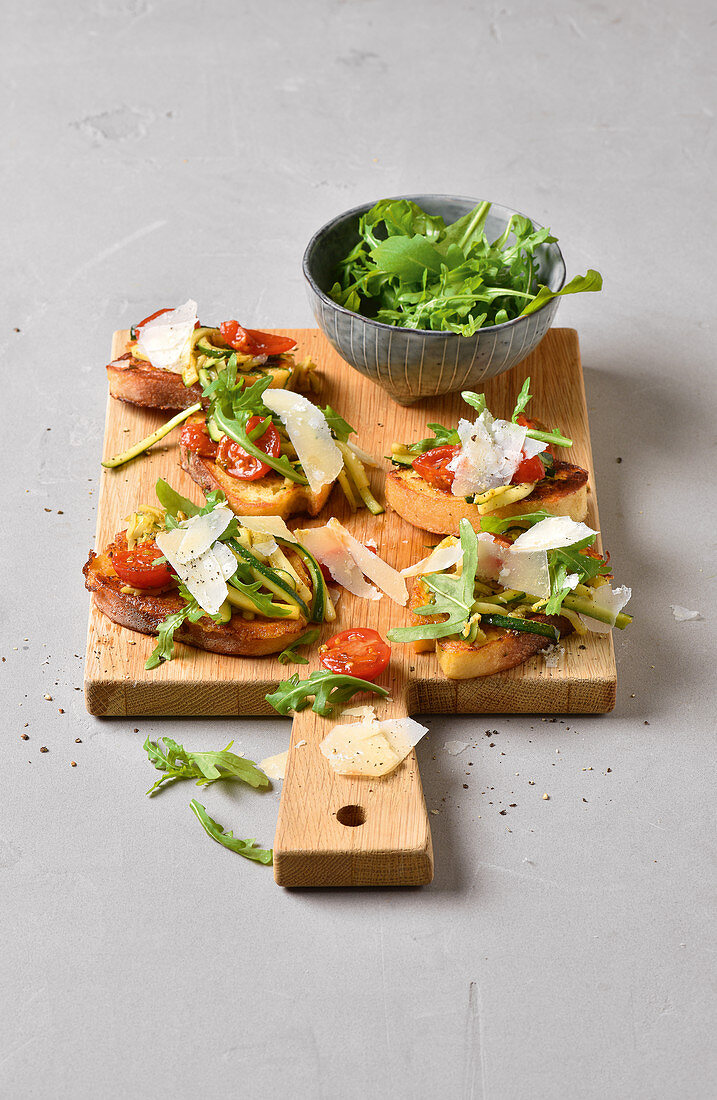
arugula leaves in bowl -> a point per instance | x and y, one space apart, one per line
411 270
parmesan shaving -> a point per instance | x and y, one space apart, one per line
275 766
610 600
491 451
371 747
203 564
440 559
167 340
310 435
349 562
268 525
552 533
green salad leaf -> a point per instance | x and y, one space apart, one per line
329 690
410 269
191 612
246 848
176 762
453 596
339 428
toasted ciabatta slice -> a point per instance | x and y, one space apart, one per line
144 612
268 496
139 383
439 511
503 649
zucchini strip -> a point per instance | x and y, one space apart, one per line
321 607
524 626
145 444
268 577
354 468
347 490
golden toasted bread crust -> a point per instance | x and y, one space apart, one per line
139 383
269 496
238 638
439 511
504 649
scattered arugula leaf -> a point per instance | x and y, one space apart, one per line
289 656
330 689
176 762
453 596
410 269
212 828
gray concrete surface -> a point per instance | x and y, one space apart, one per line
156 150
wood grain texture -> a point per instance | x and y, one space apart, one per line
197 683
339 831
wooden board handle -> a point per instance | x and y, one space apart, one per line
335 830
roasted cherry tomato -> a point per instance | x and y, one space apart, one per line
238 463
432 466
357 652
138 567
529 469
250 341
196 438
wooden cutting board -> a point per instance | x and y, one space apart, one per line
385 836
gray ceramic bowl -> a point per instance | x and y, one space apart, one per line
414 363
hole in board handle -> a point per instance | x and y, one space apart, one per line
351 816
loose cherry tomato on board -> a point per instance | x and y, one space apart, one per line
250 341
432 465
138 567
196 438
357 652
246 467
529 469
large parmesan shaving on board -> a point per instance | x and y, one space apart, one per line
552 533
167 340
310 435
491 451
202 563
440 559
349 562
372 746
268 525
610 600
327 549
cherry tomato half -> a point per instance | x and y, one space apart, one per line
357 652
138 567
432 466
246 467
529 469
250 341
196 438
